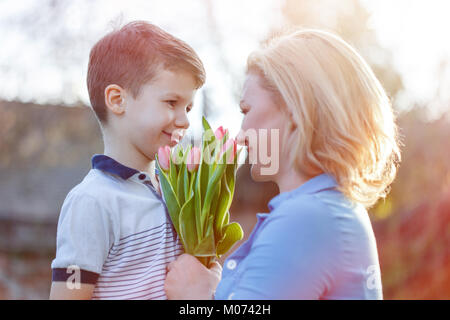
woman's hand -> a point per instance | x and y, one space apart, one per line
188 279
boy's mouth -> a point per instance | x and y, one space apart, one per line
174 137
168 134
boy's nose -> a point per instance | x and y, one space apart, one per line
182 121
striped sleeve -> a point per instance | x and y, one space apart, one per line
84 237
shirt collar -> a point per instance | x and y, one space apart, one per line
321 182
105 163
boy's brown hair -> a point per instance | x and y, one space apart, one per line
131 56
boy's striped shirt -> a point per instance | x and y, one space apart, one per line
116 230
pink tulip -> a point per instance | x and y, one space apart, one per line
220 132
176 158
229 144
193 159
164 157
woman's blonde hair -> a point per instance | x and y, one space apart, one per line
344 119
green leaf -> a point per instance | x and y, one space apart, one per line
211 190
210 152
188 231
208 133
222 207
227 152
180 184
177 155
198 201
181 177
204 174
169 196
214 206
233 233
230 175
213 182
216 151
204 164
173 175
204 180
227 218
206 247
187 184
216 198
205 124
210 225
209 143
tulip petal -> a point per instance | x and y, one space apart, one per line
164 157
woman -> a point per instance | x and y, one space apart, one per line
338 152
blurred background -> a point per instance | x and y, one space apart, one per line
48 133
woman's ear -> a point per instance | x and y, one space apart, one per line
290 119
293 125
115 99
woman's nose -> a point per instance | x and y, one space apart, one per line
240 138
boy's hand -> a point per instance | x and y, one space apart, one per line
188 279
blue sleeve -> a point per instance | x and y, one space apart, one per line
294 255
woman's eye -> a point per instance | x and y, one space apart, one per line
244 112
172 102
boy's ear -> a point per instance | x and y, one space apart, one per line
115 98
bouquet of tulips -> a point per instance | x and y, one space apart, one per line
198 187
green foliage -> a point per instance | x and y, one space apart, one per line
199 201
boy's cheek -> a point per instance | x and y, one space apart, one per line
148 126
144 140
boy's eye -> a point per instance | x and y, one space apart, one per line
188 108
244 112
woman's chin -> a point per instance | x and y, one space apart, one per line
255 173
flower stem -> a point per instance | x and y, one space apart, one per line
205 261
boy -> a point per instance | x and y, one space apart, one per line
115 238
